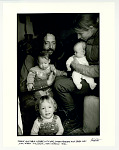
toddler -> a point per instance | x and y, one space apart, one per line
47 123
79 54
41 72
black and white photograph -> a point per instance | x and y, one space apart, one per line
59 75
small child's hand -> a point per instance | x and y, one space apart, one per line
51 79
53 68
64 73
68 68
30 87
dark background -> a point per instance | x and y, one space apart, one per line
55 21
35 24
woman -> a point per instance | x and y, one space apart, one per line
86 27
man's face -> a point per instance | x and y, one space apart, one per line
49 43
84 34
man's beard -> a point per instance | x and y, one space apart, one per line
50 51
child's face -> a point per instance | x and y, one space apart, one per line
46 109
43 63
79 50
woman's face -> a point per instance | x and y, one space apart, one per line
84 34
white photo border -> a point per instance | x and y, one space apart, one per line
105 9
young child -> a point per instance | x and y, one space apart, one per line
40 73
79 54
47 123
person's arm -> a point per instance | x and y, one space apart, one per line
57 72
91 71
27 65
30 79
60 73
60 126
68 63
35 128
51 79
31 76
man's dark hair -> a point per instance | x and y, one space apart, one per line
39 41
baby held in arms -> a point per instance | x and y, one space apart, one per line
38 75
79 55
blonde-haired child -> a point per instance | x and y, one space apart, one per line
47 123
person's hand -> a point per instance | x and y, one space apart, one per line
74 63
30 87
68 68
64 73
51 78
52 68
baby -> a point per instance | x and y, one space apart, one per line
47 123
79 54
40 73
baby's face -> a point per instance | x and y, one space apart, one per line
43 63
79 50
46 109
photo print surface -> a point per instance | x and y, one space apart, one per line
58 74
